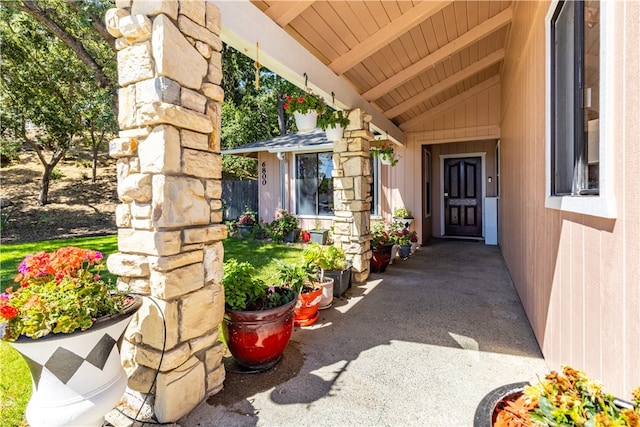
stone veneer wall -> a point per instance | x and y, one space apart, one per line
352 193
169 184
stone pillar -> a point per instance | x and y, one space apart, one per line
352 193
170 216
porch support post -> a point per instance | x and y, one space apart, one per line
352 193
169 220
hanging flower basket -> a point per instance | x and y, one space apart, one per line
334 134
386 159
385 153
306 122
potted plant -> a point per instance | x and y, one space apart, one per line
403 216
381 247
401 237
309 290
386 153
64 316
561 399
333 123
332 262
284 227
305 109
413 238
258 319
319 235
246 221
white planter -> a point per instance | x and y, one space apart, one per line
327 293
386 159
334 134
77 378
306 122
404 221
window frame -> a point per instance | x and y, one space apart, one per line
294 187
603 204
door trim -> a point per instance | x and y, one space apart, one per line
483 165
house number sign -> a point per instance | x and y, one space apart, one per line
263 173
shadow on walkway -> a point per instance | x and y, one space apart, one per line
420 344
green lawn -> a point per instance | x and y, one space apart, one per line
15 381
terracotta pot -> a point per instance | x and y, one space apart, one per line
306 311
380 259
77 378
257 339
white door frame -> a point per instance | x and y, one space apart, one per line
483 164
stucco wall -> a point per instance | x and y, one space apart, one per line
578 276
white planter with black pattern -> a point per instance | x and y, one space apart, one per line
77 378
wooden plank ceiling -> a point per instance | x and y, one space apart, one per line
405 57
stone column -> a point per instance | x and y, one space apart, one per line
352 193
170 216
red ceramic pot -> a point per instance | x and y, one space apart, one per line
381 258
257 339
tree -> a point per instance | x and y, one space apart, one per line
46 90
250 113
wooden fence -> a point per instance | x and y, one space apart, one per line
237 196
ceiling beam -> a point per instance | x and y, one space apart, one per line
385 35
452 80
283 12
469 93
243 25
476 33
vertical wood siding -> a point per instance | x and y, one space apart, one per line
578 276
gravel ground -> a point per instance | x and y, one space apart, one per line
78 206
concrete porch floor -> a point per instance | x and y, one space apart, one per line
419 345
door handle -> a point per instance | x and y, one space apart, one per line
446 194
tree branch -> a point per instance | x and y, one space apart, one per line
30 7
96 23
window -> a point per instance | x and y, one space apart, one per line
375 185
575 103
313 184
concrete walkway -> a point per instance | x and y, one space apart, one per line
418 345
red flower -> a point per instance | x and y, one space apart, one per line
301 100
8 312
286 106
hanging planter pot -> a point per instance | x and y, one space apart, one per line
306 122
386 159
334 134
77 378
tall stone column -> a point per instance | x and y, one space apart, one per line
352 193
170 216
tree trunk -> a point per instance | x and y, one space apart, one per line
43 198
282 117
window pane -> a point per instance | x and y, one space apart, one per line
564 83
592 92
306 184
314 184
325 184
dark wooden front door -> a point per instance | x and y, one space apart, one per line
463 197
